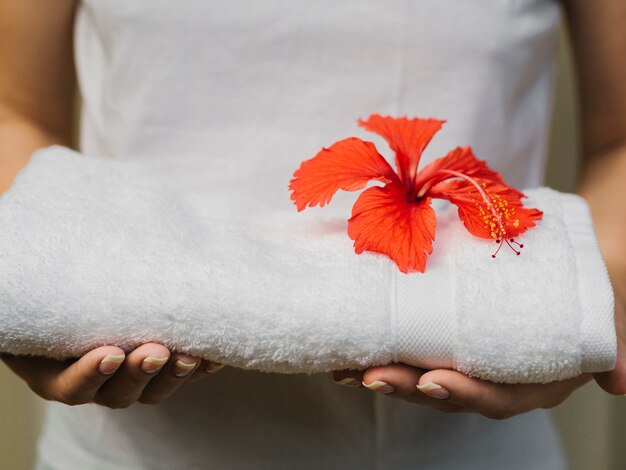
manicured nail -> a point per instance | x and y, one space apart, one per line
380 386
111 363
152 364
434 390
212 367
348 382
183 369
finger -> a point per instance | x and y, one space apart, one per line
497 401
614 381
493 400
178 369
394 378
71 382
400 381
206 369
348 377
140 366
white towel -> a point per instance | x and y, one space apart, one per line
96 251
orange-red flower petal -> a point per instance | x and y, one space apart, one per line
504 217
384 221
348 164
462 160
407 138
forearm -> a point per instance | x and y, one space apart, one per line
19 138
36 80
599 40
603 185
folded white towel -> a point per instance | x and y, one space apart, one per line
96 251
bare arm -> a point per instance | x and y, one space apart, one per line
598 30
36 80
36 104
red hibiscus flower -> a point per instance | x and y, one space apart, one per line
397 219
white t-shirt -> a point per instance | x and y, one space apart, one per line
256 87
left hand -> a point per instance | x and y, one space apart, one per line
453 392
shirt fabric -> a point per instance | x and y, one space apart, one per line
255 87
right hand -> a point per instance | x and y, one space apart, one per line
108 377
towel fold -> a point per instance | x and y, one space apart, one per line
96 251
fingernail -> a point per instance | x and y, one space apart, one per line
212 367
183 369
152 364
434 390
348 382
111 363
380 386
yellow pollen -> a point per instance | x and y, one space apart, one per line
494 222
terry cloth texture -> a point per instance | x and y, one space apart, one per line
96 251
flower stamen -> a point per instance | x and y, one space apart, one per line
502 241
499 208
482 193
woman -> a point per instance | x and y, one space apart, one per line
245 79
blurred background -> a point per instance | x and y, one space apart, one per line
592 422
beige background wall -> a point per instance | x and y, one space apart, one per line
593 423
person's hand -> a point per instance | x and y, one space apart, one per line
454 392
108 377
